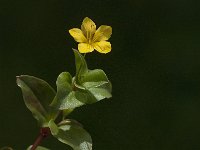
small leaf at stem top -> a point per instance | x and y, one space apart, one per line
81 65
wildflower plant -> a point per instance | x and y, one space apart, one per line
86 87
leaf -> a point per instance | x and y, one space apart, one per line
64 87
37 96
72 134
100 93
77 99
81 65
38 148
95 75
97 83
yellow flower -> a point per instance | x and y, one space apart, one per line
89 38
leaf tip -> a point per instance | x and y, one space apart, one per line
18 80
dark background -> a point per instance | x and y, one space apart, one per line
154 67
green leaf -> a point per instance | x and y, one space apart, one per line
77 99
64 87
100 93
72 134
81 65
96 75
38 148
37 95
97 83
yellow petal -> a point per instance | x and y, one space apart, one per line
77 34
102 46
85 48
103 33
88 27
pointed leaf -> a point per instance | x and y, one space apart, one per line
72 134
64 87
37 96
81 65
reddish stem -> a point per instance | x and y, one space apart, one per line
44 132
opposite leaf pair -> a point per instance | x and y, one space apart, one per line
87 87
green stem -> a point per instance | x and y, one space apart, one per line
44 132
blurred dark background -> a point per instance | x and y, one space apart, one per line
154 67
